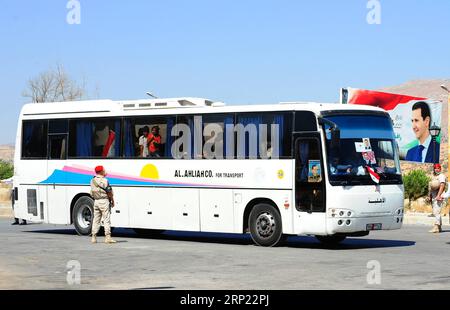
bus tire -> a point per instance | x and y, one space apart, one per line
147 232
265 225
332 240
82 215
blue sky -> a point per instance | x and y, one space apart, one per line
238 52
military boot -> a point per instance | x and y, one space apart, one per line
94 239
108 239
440 228
435 229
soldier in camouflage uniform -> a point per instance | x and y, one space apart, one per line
437 187
102 193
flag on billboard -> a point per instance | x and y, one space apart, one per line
411 116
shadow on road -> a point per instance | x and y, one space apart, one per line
301 242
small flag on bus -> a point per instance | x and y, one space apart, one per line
373 175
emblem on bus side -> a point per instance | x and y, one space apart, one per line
280 174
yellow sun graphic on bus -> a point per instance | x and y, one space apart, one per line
150 172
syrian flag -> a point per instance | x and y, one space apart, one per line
373 175
108 150
379 99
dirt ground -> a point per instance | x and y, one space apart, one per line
421 206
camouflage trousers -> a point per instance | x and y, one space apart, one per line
437 207
101 210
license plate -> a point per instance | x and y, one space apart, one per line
374 226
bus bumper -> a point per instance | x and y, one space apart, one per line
363 224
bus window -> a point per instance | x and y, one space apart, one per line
58 126
57 146
34 139
94 138
57 138
216 144
278 141
264 135
184 145
148 137
305 121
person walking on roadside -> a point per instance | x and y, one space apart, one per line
103 197
16 220
437 187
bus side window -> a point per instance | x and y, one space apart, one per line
57 146
148 137
57 138
94 138
34 139
216 141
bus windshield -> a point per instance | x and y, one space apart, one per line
366 141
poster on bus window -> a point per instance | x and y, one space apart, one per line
412 118
314 171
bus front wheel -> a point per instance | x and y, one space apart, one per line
82 215
265 225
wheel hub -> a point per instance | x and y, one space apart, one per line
265 225
84 216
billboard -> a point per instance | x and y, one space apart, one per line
412 118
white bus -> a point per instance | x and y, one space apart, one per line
327 170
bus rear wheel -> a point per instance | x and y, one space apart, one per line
331 240
265 225
82 215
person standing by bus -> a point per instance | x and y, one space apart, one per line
437 187
102 193
16 220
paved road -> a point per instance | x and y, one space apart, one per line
35 257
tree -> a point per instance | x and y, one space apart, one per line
416 184
6 170
54 85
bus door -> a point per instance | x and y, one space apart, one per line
309 184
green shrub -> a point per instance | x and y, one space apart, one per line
416 184
6 170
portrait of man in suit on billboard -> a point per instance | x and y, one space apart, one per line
421 122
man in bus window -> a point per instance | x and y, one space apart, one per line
143 142
154 142
102 193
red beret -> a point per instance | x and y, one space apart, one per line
437 166
99 169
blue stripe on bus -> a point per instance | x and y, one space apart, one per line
72 178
